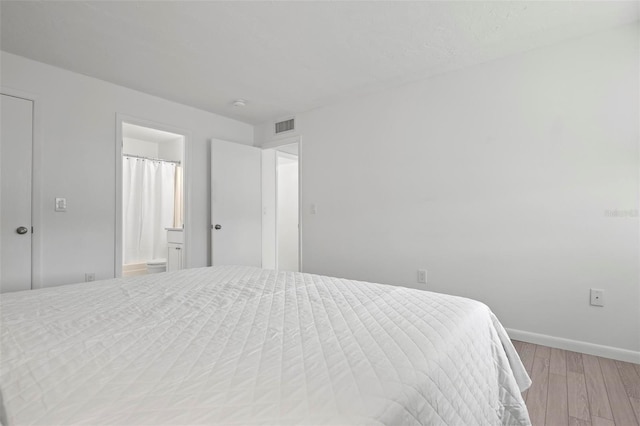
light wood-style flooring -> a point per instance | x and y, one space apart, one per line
575 389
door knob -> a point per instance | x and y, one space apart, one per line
22 230
218 227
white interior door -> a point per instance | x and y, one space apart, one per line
236 234
16 147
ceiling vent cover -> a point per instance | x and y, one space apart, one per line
285 126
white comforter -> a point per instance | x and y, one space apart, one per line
237 345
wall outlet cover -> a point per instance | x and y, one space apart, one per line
597 297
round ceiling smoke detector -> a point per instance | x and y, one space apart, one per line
239 103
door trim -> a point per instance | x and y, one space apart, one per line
300 204
36 183
297 157
186 184
280 142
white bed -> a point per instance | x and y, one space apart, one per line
237 346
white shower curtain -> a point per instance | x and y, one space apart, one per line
148 208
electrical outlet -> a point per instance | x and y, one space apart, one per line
597 297
422 276
89 276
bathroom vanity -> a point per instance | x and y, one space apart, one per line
175 244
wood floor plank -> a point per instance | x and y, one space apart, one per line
528 353
526 356
577 399
570 388
518 345
558 362
574 362
620 405
630 378
537 394
635 403
557 408
543 352
599 421
578 422
596 390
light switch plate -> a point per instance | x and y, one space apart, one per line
61 204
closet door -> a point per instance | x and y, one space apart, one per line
236 204
16 147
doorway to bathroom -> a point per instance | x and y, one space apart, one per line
151 199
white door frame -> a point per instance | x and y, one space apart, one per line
36 184
297 158
276 144
186 183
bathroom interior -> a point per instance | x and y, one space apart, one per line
152 200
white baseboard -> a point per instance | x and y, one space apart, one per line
575 346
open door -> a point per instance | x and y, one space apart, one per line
236 204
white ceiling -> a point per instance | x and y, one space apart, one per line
286 57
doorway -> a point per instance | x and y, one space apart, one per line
281 208
150 235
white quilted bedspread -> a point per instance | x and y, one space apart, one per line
238 346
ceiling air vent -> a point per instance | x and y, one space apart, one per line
285 126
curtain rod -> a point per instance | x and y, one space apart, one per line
151 159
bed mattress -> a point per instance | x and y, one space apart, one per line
238 346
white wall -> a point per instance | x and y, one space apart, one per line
78 131
165 150
138 147
170 150
497 179
287 214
